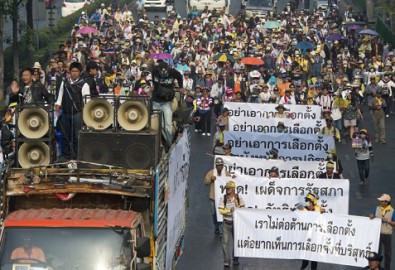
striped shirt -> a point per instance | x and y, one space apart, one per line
229 204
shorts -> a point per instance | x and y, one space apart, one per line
352 122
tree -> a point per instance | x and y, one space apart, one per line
1 51
389 6
14 14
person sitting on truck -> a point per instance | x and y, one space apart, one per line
28 253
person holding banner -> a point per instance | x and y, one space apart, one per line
280 111
332 157
386 213
219 139
210 178
227 150
273 173
330 174
374 261
227 206
330 129
311 205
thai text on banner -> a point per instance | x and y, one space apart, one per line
307 147
329 238
286 194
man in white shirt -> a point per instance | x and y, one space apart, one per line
70 99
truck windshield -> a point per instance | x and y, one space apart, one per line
65 249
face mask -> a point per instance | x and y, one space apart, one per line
363 136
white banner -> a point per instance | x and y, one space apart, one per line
286 194
298 126
329 238
176 206
265 110
260 167
308 147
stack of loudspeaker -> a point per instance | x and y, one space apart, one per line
120 131
35 138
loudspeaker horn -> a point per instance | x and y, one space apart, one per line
33 123
133 115
98 114
33 154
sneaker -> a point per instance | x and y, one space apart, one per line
196 130
226 264
383 142
204 134
208 134
362 183
236 262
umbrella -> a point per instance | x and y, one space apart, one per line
271 25
354 27
252 61
356 22
368 32
223 57
87 30
161 56
304 45
335 36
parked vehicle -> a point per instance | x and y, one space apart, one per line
213 4
155 4
320 4
71 6
259 8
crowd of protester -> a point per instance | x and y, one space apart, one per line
295 57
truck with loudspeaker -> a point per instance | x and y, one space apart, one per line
84 215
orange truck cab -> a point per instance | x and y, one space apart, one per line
72 239
66 220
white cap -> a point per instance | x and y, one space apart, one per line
384 197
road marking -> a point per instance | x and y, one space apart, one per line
359 195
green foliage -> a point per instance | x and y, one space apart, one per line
384 31
42 42
389 6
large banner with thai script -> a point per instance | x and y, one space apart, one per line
176 205
285 193
289 146
265 110
329 238
260 167
256 124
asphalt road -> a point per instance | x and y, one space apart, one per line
203 249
